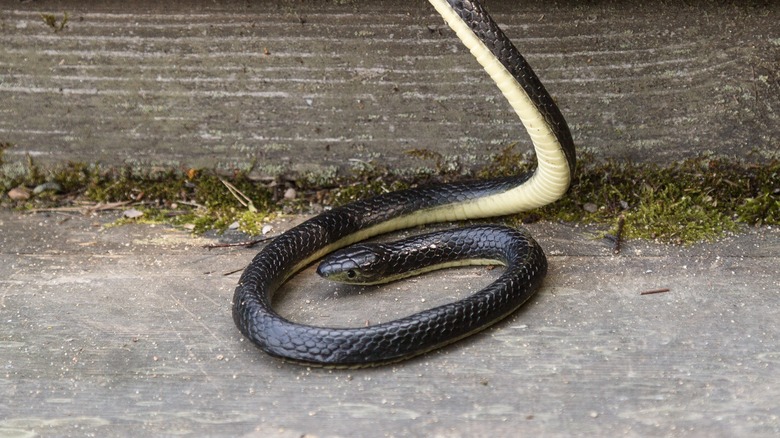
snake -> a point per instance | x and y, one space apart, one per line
345 225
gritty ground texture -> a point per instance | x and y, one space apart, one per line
127 331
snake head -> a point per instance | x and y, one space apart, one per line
357 264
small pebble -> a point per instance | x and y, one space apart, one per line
133 213
46 187
19 194
290 193
234 226
590 207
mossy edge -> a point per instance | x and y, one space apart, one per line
695 200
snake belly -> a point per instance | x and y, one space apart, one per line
397 340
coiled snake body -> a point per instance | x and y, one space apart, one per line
342 226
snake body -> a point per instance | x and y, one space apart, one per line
400 339
376 263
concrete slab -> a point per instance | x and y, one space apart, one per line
127 331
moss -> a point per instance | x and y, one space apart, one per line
16 174
56 25
671 215
251 222
760 210
195 198
694 200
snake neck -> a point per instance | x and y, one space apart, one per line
529 99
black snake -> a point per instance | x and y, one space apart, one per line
526 265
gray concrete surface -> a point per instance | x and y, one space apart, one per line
300 86
126 331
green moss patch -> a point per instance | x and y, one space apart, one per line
198 200
57 25
691 201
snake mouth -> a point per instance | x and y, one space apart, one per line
356 264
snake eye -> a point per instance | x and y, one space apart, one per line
351 273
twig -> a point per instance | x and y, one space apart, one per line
83 208
240 196
110 206
232 272
245 243
190 203
619 235
654 291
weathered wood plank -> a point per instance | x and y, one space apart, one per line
127 331
300 86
